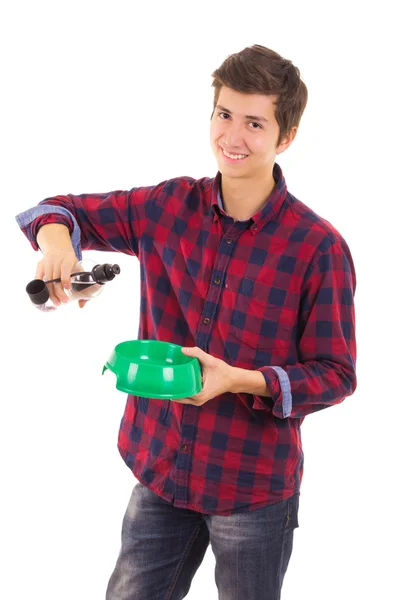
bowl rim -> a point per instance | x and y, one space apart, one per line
190 359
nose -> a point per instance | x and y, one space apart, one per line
233 136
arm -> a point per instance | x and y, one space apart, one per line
326 372
110 222
54 235
248 382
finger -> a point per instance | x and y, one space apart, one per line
82 303
39 271
185 401
58 287
63 273
48 275
66 270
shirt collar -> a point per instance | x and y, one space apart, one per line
269 210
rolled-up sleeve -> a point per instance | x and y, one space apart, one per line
32 219
111 221
326 372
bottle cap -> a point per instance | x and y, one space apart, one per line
104 273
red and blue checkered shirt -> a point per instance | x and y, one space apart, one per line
274 293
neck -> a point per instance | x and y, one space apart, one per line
242 197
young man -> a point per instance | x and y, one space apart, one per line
260 289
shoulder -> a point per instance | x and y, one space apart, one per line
194 194
185 184
313 229
324 247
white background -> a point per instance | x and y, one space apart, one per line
102 96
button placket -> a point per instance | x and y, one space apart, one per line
214 295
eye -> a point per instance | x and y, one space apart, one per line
227 115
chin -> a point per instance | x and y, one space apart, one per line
231 174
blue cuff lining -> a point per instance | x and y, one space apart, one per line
26 217
285 390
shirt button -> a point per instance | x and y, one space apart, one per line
217 281
206 320
229 241
184 447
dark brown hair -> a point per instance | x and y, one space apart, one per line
259 70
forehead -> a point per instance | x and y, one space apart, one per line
242 104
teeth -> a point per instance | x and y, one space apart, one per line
235 156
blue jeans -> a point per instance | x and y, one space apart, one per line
163 546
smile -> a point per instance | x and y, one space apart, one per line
234 157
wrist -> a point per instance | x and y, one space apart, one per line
52 237
249 382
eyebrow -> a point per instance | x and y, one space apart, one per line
246 116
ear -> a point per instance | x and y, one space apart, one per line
287 141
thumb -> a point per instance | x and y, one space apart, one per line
197 353
82 303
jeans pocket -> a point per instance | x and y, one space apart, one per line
292 512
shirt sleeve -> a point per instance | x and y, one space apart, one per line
326 372
110 221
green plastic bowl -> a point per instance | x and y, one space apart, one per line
154 369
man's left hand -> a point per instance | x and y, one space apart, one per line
218 377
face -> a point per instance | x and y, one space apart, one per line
251 140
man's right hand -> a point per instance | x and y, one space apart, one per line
59 260
54 264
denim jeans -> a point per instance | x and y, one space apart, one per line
163 546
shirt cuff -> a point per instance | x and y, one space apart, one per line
32 219
279 388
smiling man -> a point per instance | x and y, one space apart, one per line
257 286
244 139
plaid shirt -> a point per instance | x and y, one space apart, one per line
273 293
